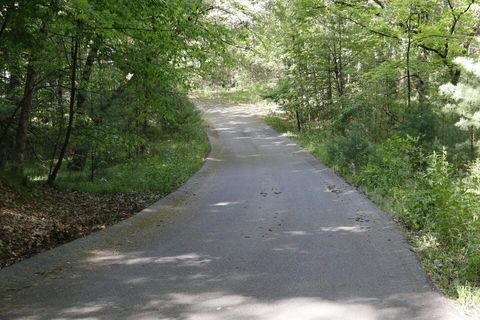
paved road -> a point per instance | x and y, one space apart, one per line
263 231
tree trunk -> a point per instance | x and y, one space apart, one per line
87 72
61 120
73 76
25 106
80 153
13 83
337 68
472 142
409 76
7 13
329 86
7 123
299 125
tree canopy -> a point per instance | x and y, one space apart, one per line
89 77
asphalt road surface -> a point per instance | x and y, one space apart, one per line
262 231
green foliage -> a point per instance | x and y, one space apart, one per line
440 205
279 124
464 96
247 94
472 180
172 159
93 81
421 121
348 153
391 165
437 199
15 180
361 79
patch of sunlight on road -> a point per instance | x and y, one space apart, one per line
106 258
219 306
298 233
356 229
224 204
85 309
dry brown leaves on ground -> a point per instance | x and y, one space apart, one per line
47 218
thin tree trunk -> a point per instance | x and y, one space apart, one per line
7 17
87 73
61 121
80 153
337 67
472 142
329 86
340 61
409 77
13 83
52 177
24 117
299 125
8 123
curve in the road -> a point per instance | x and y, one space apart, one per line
263 231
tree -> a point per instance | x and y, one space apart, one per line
81 75
465 97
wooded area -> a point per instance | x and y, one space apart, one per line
385 92
92 82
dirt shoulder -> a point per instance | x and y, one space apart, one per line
44 218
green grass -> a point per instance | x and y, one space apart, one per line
171 155
312 143
15 181
173 160
280 124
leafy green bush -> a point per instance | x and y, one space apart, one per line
171 161
436 199
472 180
391 165
442 205
348 153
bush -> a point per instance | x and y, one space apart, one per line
348 153
442 205
392 164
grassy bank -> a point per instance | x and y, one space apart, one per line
437 207
172 160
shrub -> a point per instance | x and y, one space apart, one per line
347 153
391 165
446 207
439 203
